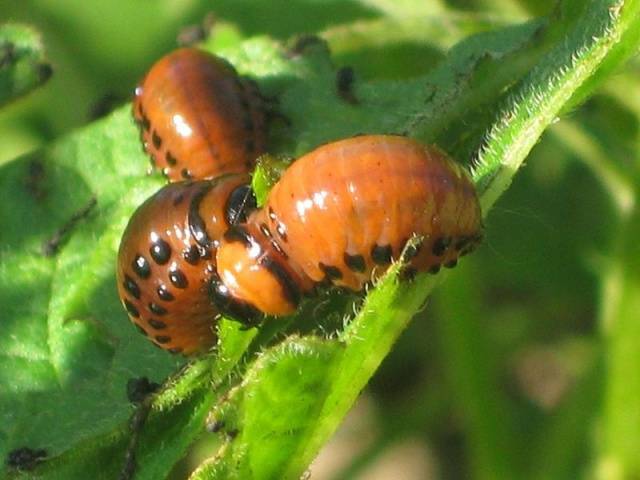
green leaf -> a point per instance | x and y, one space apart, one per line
22 64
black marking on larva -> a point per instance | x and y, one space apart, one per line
381 254
141 267
290 290
178 278
451 263
434 269
164 293
272 214
229 306
411 251
131 286
156 140
25 458
408 273
157 324
178 199
160 251
282 231
130 307
197 225
265 230
192 254
162 339
330 271
170 159
157 309
462 242
186 174
175 350
237 233
355 263
240 202
440 246
141 330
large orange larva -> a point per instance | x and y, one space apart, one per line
198 118
167 257
340 214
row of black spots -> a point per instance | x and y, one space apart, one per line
160 339
281 230
274 243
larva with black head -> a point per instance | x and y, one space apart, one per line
167 257
339 215
198 118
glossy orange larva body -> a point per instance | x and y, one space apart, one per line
340 214
198 118
167 256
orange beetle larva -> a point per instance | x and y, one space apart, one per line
198 118
339 215
166 259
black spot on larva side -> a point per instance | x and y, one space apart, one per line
131 286
162 339
282 231
355 263
381 254
155 138
265 230
171 160
451 263
411 251
290 290
434 269
186 174
175 350
146 124
178 199
197 225
141 267
130 307
191 255
408 273
157 309
160 251
157 324
164 293
330 271
178 279
440 246
238 233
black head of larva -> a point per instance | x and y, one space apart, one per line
240 203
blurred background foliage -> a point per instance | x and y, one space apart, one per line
516 338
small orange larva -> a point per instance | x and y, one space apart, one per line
167 256
198 118
339 215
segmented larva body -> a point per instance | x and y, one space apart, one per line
198 118
167 257
340 214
